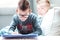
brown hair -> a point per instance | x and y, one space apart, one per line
44 1
38 1
23 5
48 2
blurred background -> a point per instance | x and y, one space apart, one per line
8 7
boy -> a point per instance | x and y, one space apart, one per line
46 13
24 20
42 7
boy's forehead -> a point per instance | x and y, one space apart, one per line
43 4
22 10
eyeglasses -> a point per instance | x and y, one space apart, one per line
23 15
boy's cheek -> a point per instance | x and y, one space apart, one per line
42 12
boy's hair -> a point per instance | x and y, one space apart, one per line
23 5
44 1
38 1
48 2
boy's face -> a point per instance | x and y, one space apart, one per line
23 15
42 8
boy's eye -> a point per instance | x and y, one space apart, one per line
23 15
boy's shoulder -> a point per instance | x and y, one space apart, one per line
33 15
15 16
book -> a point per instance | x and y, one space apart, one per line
20 36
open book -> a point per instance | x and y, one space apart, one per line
15 36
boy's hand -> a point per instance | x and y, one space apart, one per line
15 33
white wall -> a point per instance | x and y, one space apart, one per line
57 3
8 3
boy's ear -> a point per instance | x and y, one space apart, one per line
30 10
17 10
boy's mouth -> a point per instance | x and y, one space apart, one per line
23 18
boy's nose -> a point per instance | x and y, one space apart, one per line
23 15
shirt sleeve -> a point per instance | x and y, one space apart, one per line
37 29
12 25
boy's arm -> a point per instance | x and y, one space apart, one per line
12 25
37 27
